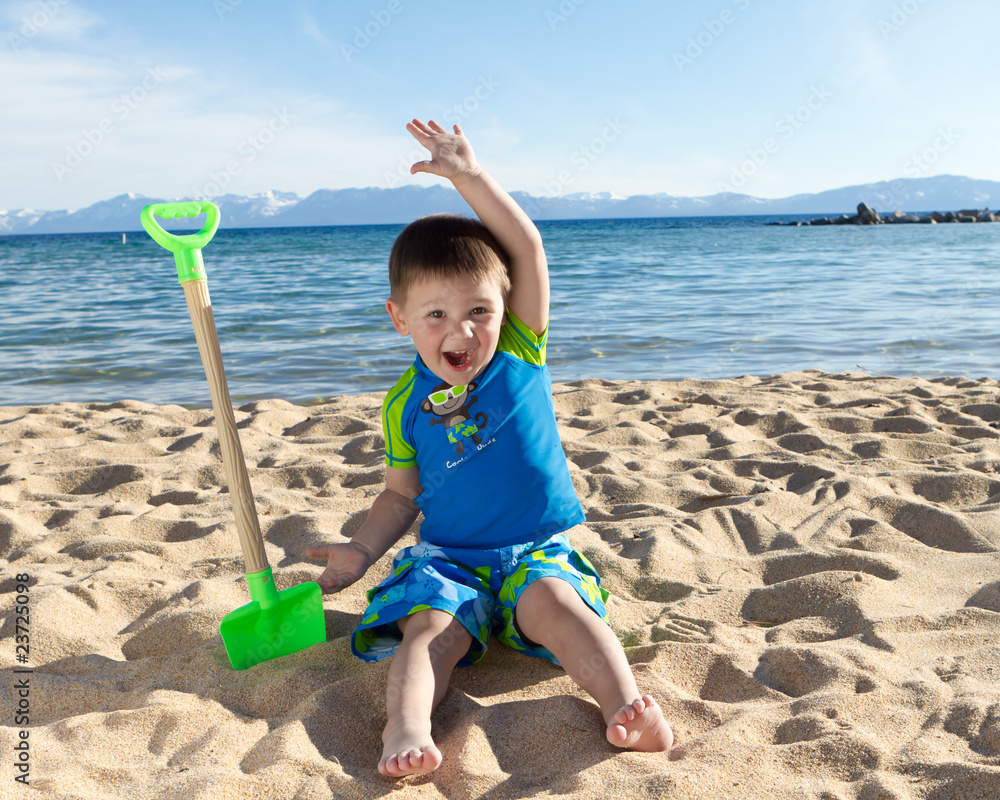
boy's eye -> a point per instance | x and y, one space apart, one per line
436 314
479 310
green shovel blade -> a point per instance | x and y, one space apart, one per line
273 623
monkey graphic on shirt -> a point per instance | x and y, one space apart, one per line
450 406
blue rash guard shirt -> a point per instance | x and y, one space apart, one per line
492 468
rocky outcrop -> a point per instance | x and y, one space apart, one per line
869 216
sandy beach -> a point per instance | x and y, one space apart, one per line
805 572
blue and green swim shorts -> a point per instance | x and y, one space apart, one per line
478 587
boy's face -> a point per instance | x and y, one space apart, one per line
454 322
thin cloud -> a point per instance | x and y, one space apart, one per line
309 27
37 23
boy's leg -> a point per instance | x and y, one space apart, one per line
433 643
549 612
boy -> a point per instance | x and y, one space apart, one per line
471 441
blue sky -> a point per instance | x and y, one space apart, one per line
767 97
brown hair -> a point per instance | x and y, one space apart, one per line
444 245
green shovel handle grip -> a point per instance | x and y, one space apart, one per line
186 249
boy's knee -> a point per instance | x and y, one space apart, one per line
546 592
425 619
440 625
541 601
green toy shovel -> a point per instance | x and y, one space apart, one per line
273 623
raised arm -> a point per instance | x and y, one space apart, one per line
452 158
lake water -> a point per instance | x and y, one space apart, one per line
300 311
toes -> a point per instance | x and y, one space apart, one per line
640 726
617 735
409 762
389 766
631 711
397 765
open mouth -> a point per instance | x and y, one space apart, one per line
459 359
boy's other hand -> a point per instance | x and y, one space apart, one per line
451 153
345 563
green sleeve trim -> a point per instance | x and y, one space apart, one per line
518 339
399 453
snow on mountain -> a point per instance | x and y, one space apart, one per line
400 205
371 206
10 221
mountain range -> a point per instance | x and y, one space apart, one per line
381 206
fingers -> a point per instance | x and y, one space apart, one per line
418 126
430 128
331 584
427 128
331 579
450 155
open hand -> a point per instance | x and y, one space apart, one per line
345 563
451 153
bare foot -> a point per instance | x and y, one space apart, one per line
408 751
640 726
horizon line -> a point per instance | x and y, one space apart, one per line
550 197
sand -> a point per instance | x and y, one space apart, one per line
805 571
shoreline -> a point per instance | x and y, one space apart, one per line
241 403
805 570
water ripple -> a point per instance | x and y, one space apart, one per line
300 312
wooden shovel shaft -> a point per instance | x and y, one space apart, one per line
251 542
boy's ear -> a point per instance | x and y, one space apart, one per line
396 313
